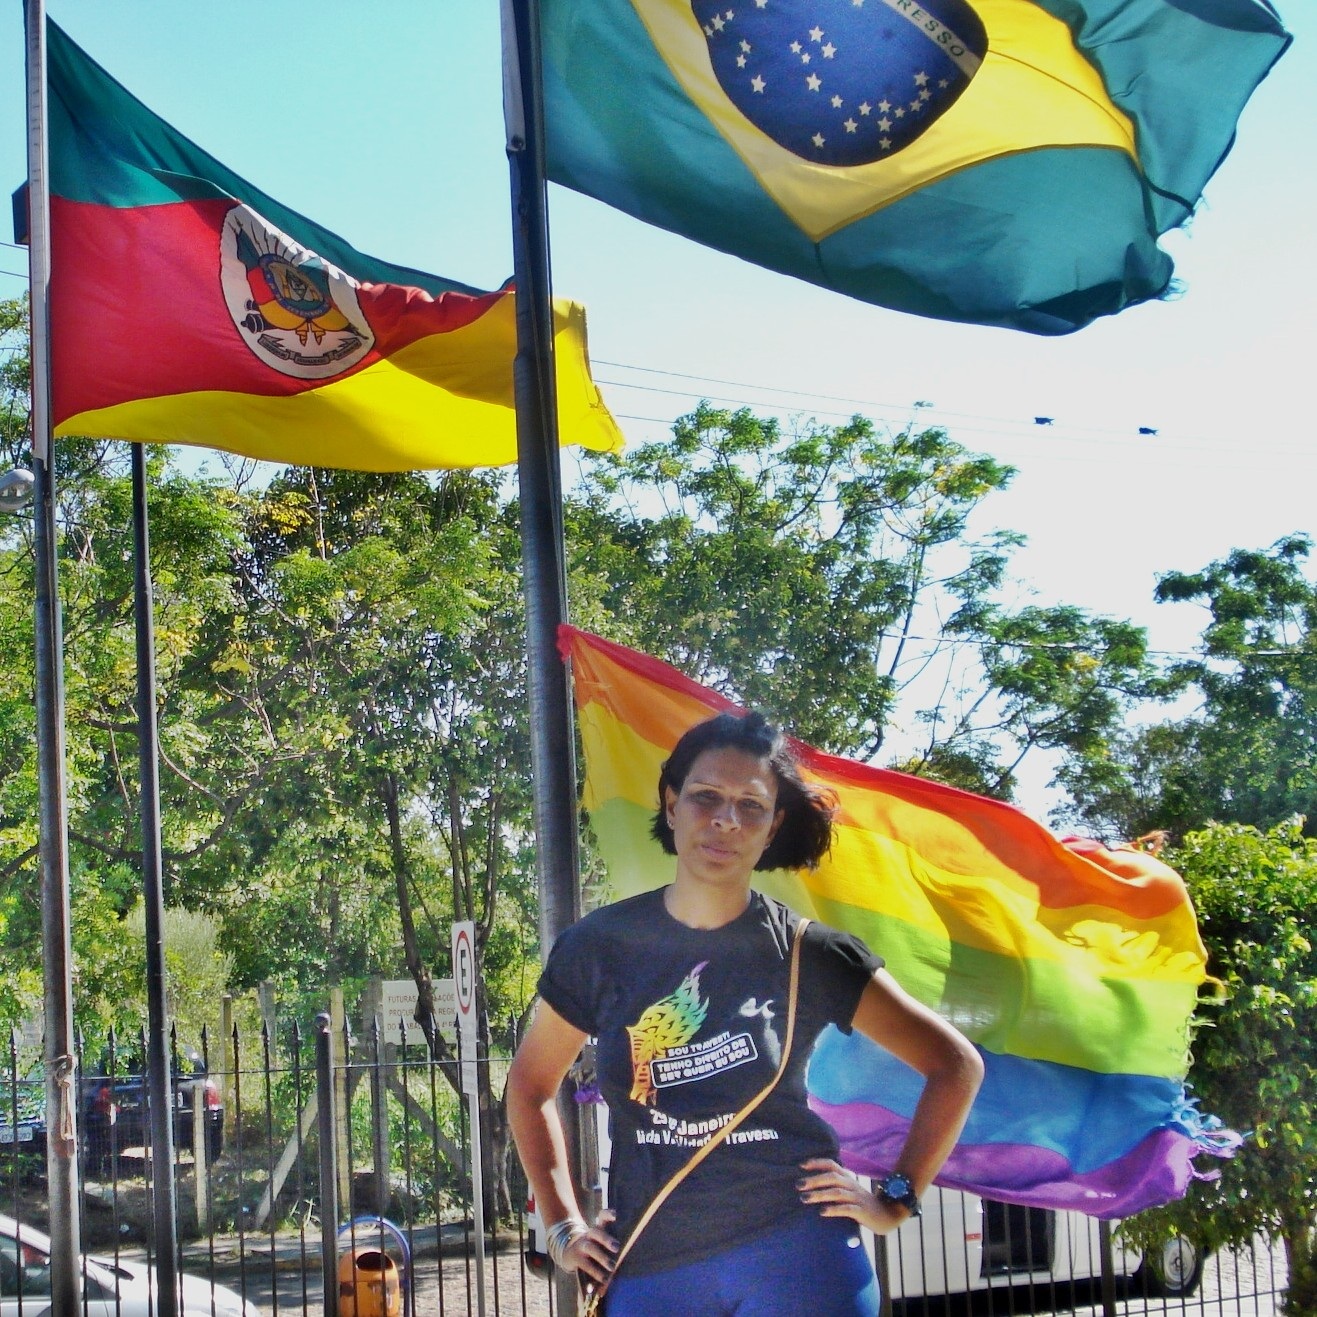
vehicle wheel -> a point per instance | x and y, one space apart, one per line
1173 1270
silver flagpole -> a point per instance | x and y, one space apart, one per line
57 954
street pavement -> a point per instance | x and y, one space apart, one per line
444 1285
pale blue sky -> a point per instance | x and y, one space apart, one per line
384 122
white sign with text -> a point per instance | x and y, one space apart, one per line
398 1010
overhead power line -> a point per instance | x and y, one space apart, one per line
871 404
983 425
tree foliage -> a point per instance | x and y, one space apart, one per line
1248 753
831 576
340 664
341 719
1255 1048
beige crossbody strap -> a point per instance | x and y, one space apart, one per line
666 1192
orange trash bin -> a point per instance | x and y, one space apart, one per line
368 1284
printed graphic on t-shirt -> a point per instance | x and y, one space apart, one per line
667 1024
684 1065
670 1131
663 1053
752 1006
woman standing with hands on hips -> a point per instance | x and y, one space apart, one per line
706 999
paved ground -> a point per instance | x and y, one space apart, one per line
444 1285
439 1292
444 1281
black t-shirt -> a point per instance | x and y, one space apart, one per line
690 1025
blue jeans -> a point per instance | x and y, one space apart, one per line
814 1265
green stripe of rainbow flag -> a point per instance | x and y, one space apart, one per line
1073 968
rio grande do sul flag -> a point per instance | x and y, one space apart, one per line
1074 969
188 306
1000 162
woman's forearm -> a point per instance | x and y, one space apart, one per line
939 1117
951 1068
542 1146
534 1079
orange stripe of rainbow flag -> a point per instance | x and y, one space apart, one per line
1074 969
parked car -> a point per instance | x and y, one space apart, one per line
118 1288
115 1114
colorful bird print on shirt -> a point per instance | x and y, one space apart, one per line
669 1023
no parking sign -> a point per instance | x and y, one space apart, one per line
464 989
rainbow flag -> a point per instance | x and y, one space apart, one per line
1074 969
188 306
1000 162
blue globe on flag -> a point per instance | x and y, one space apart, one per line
842 82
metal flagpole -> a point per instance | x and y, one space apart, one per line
543 555
56 939
163 1200
544 573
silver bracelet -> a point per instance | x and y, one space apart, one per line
560 1236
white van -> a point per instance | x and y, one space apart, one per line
963 1243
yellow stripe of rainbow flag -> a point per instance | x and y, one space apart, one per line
1074 969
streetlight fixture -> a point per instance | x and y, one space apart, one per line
17 488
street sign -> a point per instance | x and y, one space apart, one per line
465 995
464 992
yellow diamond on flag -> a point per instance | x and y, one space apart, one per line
839 110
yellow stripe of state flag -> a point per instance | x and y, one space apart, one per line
443 401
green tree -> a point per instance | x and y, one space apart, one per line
341 674
100 697
1255 1047
1248 753
383 643
339 661
829 575
198 971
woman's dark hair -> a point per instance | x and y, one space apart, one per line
806 832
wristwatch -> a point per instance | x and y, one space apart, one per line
897 1188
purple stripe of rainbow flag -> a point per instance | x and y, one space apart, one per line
1073 968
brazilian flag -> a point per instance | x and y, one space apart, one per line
998 162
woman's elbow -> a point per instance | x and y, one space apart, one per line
962 1065
533 1081
523 1090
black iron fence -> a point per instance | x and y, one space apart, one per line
315 1168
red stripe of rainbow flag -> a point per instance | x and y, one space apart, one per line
1074 969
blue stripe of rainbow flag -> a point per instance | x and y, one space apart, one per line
1074 969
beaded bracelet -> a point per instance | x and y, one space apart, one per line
560 1236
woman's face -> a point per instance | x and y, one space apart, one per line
724 816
